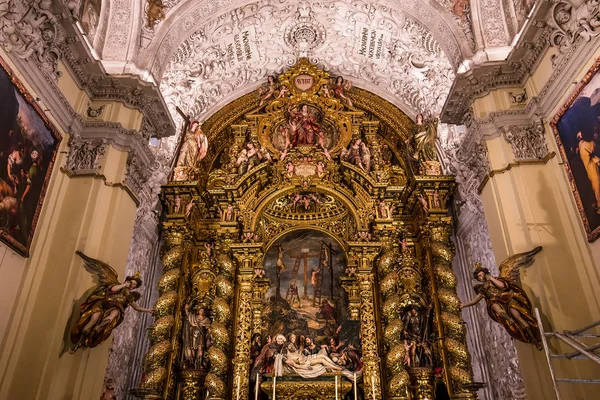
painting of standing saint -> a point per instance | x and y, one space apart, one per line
577 131
307 330
28 145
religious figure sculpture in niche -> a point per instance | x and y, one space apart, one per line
304 127
507 303
416 337
385 211
193 150
227 215
268 91
248 158
421 147
358 154
340 87
104 308
195 336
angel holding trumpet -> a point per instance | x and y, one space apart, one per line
103 310
507 303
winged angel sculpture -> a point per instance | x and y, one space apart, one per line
104 308
507 303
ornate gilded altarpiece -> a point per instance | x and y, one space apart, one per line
307 256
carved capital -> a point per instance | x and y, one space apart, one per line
84 154
527 142
247 254
32 30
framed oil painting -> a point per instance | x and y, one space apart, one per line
306 314
28 146
577 131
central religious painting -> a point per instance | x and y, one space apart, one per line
306 321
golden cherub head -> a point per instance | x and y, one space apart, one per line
137 278
478 269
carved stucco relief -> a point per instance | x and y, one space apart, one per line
527 142
31 29
415 71
118 39
186 18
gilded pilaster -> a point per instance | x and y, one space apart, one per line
365 254
247 255
260 287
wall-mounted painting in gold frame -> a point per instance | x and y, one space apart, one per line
577 131
28 146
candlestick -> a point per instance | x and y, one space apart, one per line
373 386
355 391
336 388
274 384
256 389
238 387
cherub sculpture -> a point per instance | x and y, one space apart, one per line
104 308
507 302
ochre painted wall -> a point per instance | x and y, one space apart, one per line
532 206
37 294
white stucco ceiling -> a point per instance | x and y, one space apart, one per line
406 65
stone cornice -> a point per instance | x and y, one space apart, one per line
541 31
128 89
45 32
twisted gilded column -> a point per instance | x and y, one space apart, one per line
220 328
364 254
390 271
453 347
164 333
247 255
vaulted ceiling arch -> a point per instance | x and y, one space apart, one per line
414 70
184 17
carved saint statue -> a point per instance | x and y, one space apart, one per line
248 158
268 90
340 89
415 335
424 140
358 154
194 147
195 337
104 308
507 303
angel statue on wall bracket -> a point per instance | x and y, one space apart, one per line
104 308
507 302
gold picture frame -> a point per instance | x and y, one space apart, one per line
576 129
28 147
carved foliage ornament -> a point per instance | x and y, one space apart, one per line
84 154
30 29
527 142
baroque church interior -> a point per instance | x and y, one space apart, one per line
276 199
